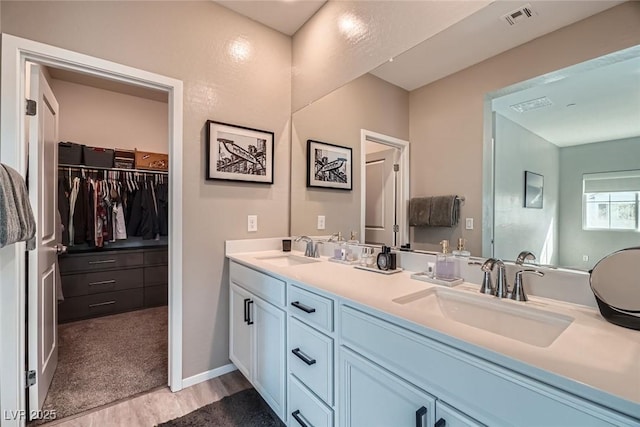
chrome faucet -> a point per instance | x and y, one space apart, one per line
523 256
518 289
311 249
502 287
487 285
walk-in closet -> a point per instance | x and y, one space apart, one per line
113 204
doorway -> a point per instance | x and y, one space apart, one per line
384 198
16 52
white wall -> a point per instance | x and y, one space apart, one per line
518 228
367 102
447 118
198 43
103 118
622 154
346 39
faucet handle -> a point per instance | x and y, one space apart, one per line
518 293
487 285
524 256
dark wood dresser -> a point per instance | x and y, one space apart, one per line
112 281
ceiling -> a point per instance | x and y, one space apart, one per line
286 16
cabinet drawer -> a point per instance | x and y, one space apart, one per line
311 359
156 295
313 309
266 287
101 261
100 304
429 364
306 407
159 257
156 275
102 281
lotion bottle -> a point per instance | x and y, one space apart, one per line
445 263
461 252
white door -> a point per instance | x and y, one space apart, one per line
269 376
380 198
42 272
374 397
240 341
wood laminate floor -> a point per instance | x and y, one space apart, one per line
159 405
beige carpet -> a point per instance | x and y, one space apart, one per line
107 359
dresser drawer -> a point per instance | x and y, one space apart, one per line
156 295
156 257
313 309
304 406
101 261
311 359
266 287
156 275
100 304
101 281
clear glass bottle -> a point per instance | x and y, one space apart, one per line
446 265
461 252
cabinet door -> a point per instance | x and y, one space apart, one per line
447 416
373 397
240 341
269 344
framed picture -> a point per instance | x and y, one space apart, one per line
328 166
533 190
237 153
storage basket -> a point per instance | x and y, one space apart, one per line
125 159
152 161
69 153
98 157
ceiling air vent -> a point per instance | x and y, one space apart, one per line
515 16
532 104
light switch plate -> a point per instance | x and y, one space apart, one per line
252 223
320 222
469 223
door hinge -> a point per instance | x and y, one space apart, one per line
31 107
30 378
396 167
396 228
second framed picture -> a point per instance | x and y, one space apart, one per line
236 153
329 166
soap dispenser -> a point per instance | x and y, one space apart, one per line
461 252
340 251
445 263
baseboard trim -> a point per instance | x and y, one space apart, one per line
207 375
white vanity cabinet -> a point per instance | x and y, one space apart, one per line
258 332
311 358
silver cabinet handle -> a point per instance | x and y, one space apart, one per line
104 282
106 261
101 303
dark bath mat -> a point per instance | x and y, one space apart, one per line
243 409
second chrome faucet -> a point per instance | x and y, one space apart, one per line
501 288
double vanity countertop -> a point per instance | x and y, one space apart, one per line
591 358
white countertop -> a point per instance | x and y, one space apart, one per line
592 358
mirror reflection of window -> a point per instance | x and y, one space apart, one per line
611 200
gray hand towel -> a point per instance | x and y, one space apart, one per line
16 217
419 211
444 211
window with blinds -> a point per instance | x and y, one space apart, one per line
610 200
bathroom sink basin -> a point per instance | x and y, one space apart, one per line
287 260
509 319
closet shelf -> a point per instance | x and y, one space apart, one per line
81 167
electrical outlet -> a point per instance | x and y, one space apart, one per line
469 223
320 222
252 223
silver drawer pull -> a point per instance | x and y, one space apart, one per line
104 282
106 261
101 303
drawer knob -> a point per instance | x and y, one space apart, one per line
298 417
305 308
300 355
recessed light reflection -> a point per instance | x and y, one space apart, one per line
352 26
240 49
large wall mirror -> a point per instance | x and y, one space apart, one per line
566 161
438 107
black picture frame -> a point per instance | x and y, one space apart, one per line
238 153
533 190
329 166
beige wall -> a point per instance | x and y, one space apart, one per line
191 41
446 117
366 103
346 39
102 118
